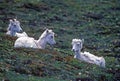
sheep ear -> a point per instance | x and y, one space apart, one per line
15 19
11 20
47 30
72 39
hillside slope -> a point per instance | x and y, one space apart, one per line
96 21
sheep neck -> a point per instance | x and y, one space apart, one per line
42 43
78 54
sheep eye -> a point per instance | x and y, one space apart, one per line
78 44
51 36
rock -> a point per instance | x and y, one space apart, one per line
107 50
94 15
116 50
116 43
5 79
36 7
27 62
115 8
84 79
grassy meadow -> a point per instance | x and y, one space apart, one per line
95 21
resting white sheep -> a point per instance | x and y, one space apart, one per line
14 26
24 34
86 56
29 42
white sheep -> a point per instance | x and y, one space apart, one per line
29 42
14 26
86 56
24 34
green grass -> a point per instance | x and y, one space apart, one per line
96 21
